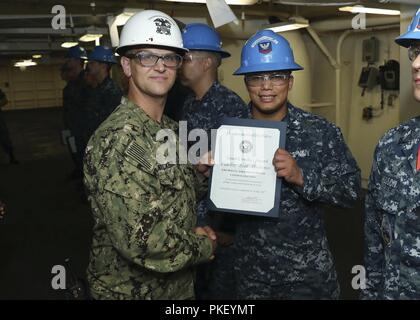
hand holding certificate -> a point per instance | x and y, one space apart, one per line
243 178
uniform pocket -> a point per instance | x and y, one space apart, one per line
125 188
171 176
410 241
390 197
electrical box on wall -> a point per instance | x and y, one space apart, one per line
368 78
389 75
371 50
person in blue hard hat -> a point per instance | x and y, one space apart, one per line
392 207
105 95
74 101
208 102
289 257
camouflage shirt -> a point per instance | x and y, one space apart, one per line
289 257
206 114
392 221
143 244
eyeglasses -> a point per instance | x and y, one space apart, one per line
189 57
413 52
277 79
148 59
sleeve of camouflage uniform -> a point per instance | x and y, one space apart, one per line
201 185
374 258
335 177
141 227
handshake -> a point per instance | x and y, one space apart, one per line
209 233
216 238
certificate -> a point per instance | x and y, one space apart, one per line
243 179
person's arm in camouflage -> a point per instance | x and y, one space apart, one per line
201 185
373 252
202 173
141 226
335 179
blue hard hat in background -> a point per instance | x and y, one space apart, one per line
76 52
267 51
412 34
201 37
102 54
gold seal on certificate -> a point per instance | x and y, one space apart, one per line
243 178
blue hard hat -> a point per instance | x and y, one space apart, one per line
102 54
201 37
267 51
76 52
412 34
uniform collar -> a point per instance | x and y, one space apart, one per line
210 93
292 116
147 122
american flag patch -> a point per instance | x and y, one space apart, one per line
139 155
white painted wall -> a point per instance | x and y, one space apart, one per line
363 135
37 87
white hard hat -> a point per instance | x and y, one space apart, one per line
151 28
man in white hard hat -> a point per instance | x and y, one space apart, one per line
144 241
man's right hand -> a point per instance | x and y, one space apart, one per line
205 164
208 232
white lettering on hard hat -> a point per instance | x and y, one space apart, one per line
163 26
262 39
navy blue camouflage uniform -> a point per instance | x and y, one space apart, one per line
101 103
214 280
392 217
206 114
289 257
75 95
